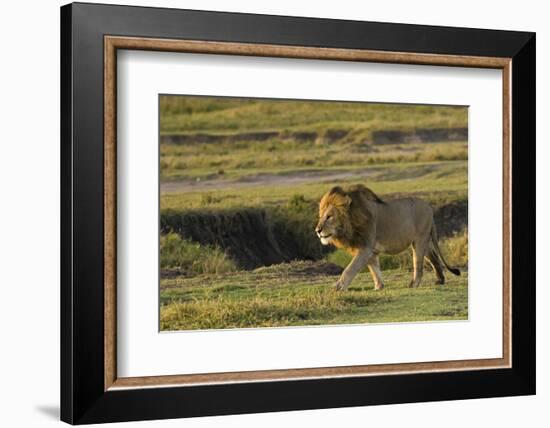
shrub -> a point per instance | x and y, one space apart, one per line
299 203
339 257
455 248
209 199
294 224
401 261
192 257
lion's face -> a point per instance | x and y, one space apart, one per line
332 222
344 217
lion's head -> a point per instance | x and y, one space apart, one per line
334 222
343 216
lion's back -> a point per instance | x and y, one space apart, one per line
404 220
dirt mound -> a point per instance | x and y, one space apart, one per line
420 136
252 238
318 268
387 136
301 269
246 235
451 218
170 273
236 137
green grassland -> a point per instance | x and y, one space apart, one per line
218 295
284 176
282 295
181 115
437 181
236 159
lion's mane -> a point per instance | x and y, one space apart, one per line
354 206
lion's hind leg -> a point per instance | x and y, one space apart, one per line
419 252
434 261
374 268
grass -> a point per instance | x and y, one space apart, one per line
180 115
437 180
234 160
283 175
192 257
289 295
456 248
294 294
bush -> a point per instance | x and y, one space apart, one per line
299 203
192 257
294 225
455 248
209 199
401 261
340 258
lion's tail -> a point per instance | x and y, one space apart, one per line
435 244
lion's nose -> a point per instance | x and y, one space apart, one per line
318 230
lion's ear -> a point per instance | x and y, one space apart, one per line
336 190
347 200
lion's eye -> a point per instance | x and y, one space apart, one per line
329 217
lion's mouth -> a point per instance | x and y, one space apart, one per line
325 239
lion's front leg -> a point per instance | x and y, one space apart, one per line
357 263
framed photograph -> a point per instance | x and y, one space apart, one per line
266 213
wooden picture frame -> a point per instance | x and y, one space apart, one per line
91 390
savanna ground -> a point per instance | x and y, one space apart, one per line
240 183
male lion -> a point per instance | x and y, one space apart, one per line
364 225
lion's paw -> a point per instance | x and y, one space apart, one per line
340 285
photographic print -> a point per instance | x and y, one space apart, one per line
277 213
340 185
